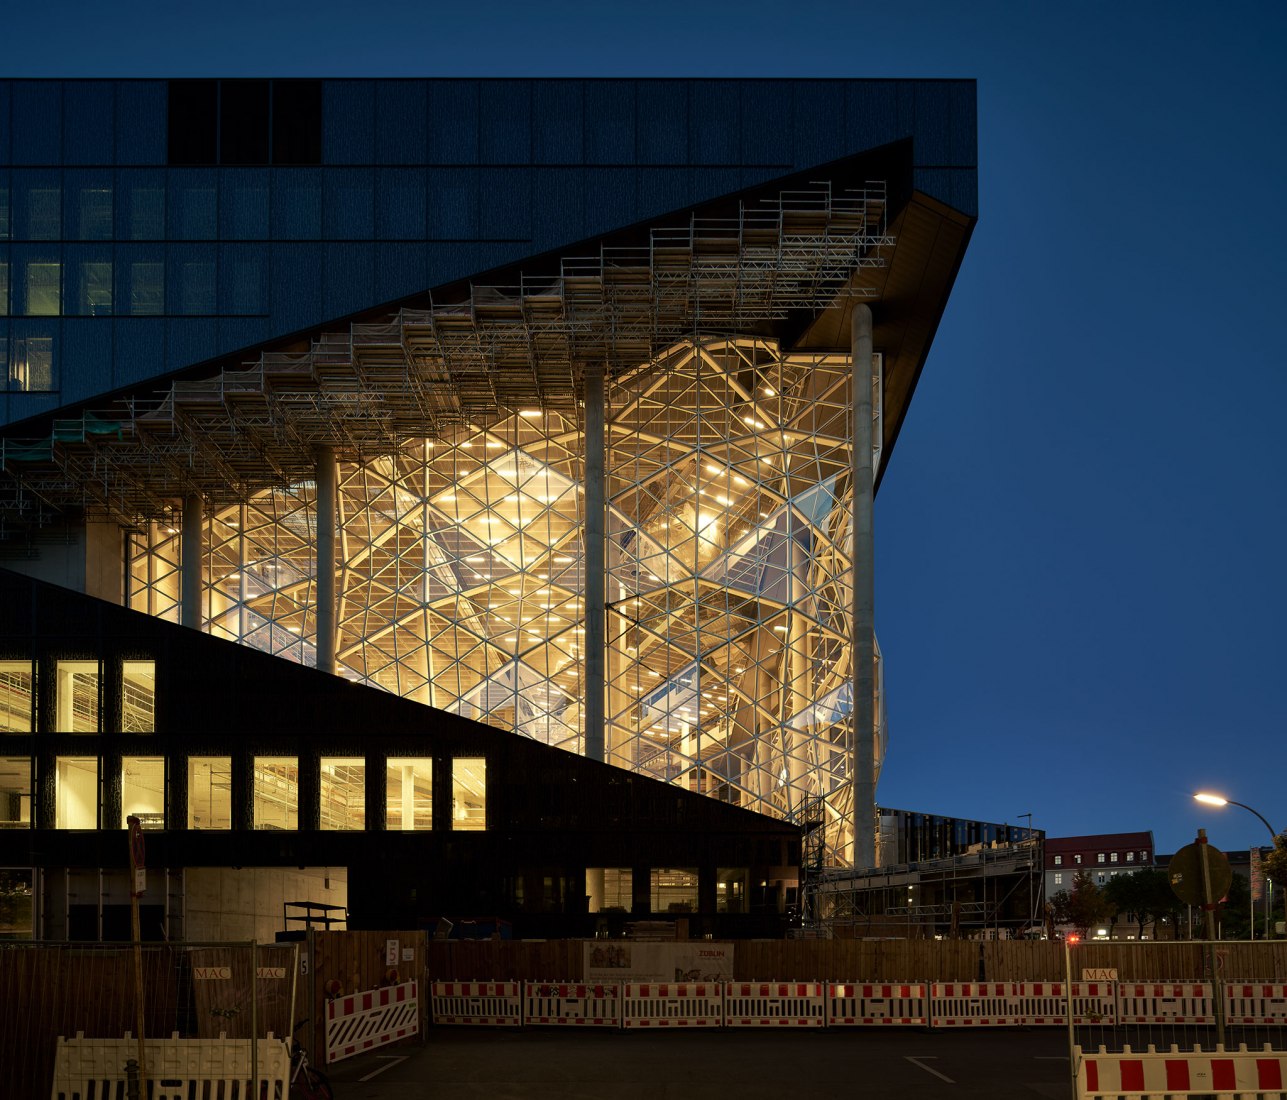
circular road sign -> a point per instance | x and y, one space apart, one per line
1185 873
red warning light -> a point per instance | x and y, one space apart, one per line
1074 938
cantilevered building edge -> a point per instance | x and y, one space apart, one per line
614 496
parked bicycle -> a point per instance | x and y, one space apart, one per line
306 1083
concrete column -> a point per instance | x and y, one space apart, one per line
192 551
328 477
863 765
596 511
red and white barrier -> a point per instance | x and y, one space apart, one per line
498 1004
973 1004
1255 1003
860 1004
1164 1003
672 1004
365 1021
1093 1003
774 1004
176 1067
578 1004
1179 1073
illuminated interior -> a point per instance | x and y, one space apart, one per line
462 579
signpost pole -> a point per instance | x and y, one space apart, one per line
138 876
1209 900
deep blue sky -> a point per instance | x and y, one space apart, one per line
1082 534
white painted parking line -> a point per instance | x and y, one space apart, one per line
918 1063
393 1060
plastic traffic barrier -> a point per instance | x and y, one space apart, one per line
672 1004
574 1004
375 1018
774 1004
1176 1073
487 1003
862 1004
1255 1003
1164 1003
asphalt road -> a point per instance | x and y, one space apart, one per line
728 1064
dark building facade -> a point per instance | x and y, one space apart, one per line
233 759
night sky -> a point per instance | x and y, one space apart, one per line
1081 534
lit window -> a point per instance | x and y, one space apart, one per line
342 795
76 697
42 286
1144 856
1130 857
138 697
143 790
31 368
15 792
1059 861
1077 859
16 690
408 793
1101 878
730 889
1112 858
209 792
276 792
76 792
673 889
469 793
1099 858
1059 878
609 888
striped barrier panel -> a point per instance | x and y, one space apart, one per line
859 1004
672 1004
1255 1003
1164 1003
497 1004
176 1068
1177 1073
375 1018
1093 1003
577 1004
975 1004
774 1004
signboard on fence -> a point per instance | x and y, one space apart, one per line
628 961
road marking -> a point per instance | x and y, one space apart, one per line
918 1063
393 1060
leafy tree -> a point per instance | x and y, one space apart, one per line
1144 897
1084 906
1276 862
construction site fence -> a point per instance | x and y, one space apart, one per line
943 1005
194 997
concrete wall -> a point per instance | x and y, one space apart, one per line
223 903
91 560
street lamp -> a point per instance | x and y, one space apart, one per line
1218 800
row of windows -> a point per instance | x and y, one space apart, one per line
670 890
1100 858
133 281
78 697
1101 877
408 793
294 204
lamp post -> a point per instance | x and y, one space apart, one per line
1218 800
1031 861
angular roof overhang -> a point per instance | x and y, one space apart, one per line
784 260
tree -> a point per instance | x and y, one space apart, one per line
1144 897
1275 863
1084 906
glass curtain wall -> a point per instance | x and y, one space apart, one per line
729 588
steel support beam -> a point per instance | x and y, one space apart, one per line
596 511
328 475
192 550
864 598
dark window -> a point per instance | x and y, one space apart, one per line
193 121
243 122
297 122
